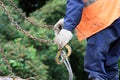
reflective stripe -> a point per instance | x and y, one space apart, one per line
88 2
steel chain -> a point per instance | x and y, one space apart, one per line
27 19
4 58
11 75
18 27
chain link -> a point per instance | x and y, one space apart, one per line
4 58
29 20
18 27
11 75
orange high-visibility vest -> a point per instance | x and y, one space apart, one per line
97 15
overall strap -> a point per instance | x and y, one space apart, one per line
88 2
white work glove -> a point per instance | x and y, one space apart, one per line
63 38
58 26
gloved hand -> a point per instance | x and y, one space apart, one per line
58 26
63 38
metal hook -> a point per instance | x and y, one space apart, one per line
66 56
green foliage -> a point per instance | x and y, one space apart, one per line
58 72
24 60
19 50
30 58
52 12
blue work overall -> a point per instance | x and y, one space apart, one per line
103 48
102 53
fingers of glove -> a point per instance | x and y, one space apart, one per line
61 21
58 26
56 31
59 42
63 38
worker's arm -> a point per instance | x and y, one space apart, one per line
72 18
73 13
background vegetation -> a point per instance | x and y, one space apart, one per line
29 58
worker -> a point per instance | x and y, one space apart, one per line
98 22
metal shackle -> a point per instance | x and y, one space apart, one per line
66 56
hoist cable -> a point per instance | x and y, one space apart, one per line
67 64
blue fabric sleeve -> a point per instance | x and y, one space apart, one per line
73 13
